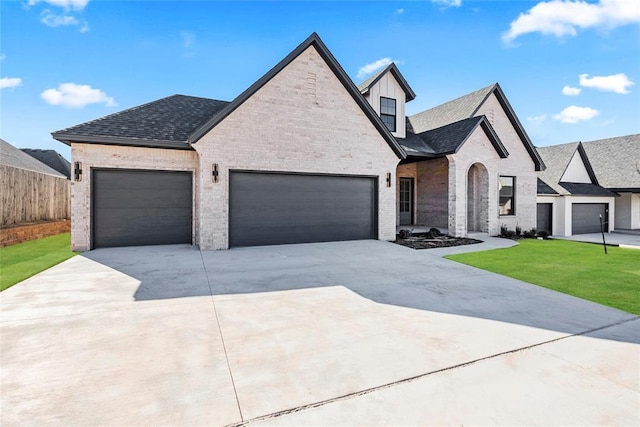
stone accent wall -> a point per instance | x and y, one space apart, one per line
112 156
25 232
433 182
293 125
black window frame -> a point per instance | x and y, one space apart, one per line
387 118
502 200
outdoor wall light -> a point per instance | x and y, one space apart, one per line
77 171
388 179
215 172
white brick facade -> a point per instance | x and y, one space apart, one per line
442 187
302 120
118 157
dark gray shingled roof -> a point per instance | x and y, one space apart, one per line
12 156
52 159
393 69
544 188
448 139
557 159
616 161
467 106
585 189
167 122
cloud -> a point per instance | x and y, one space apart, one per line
447 3
52 20
400 11
188 39
564 17
373 67
76 96
571 91
3 56
537 119
9 82
575 114
65 4
617 83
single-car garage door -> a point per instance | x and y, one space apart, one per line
136 207
585 217
276 208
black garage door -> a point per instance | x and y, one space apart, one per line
545 211
134 208
586 217
273 208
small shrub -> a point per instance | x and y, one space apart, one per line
435 232
512 235
404 234
543 233
533 232
518 231
529 234
503 230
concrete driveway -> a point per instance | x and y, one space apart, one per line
348 333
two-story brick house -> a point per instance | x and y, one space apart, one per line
302 155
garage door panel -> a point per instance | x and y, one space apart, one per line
585 217
271 208
132 208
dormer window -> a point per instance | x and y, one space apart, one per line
388 112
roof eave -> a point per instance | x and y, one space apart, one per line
131 142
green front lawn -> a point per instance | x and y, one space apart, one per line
578 269
21 261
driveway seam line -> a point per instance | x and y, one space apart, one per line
416 377
224 346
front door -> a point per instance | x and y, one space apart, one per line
406 201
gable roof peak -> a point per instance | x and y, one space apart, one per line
335 67
392 68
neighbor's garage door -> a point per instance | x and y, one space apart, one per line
586 217
274 208
134 207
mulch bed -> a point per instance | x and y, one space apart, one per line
417 241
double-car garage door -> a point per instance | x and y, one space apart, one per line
136 207
278 208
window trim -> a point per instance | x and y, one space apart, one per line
394 115
513 196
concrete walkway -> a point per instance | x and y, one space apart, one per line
613 238
365 333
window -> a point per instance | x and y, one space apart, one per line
388 112
507 188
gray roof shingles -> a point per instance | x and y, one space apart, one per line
167 120
616 161
585 189
51 158
556 158
450 112
14 157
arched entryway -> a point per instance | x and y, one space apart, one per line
478 198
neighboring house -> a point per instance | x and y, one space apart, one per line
302 155
616 163
31 190
570 197
52 159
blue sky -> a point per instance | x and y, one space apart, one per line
571 69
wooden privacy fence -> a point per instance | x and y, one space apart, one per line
29 196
